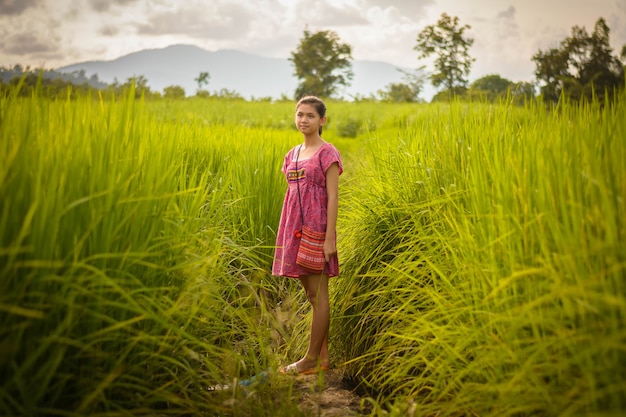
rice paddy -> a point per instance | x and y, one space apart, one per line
482 252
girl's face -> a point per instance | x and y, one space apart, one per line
308 120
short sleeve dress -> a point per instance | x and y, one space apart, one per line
311 179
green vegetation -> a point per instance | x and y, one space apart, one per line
483 253
322 64
484 263
493 88
449 43
582 66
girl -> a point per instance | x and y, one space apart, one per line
312 170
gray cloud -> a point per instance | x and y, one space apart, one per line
16 7
104 5
28 43
507 24
508 13
217 21
108 31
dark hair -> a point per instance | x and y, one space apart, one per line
315 102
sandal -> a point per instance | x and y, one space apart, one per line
292 369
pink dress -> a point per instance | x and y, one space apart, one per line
311 176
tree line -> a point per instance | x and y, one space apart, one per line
53 84
581 67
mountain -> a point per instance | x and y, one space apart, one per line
252 76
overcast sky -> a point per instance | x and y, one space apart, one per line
54 33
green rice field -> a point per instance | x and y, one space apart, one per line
482 253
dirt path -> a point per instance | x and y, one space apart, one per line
328 396
325 395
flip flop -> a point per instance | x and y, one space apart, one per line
292 369
314 371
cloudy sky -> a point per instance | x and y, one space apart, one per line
54 33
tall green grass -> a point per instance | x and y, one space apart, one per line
484 262
133 247
481 247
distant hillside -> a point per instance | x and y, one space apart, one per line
247 74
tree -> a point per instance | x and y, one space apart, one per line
408 91
398 93
448 94
493 87
490 87
448 42
174 92
202 79
322 64
140 84
493 84
582 66
228 94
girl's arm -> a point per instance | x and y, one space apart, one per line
332 191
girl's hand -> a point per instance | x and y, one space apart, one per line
330 249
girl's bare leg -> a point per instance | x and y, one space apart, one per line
316 287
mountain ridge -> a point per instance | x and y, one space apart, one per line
250 75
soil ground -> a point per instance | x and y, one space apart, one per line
329 396
324 395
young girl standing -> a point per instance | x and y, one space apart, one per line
312 169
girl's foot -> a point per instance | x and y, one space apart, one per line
305 366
